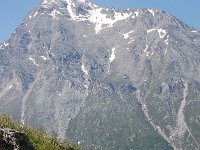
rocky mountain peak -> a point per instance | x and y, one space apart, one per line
84 10
126 76
65 3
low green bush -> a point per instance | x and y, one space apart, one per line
39 139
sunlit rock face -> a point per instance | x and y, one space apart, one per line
104 78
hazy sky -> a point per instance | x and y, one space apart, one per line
12 12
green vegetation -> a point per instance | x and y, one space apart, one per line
39 139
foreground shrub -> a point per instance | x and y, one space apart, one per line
39 139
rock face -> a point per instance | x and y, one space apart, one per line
104 78
13 140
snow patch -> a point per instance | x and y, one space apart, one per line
44 58
102 21
86 80
69 8
54 13
162 33
34 62
151 11
132 40
166 51
35 14
151 30
133 17
81 1
85 85
84 69
96 16
194 31
167 41
10 87
6 44
112 57
126 35
145 50
137 13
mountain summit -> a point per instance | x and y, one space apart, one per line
104 78
80 10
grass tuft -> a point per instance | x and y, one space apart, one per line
39 139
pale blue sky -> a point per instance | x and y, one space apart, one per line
12 12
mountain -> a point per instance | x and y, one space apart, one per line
104 78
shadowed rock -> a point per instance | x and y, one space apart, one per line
14 140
